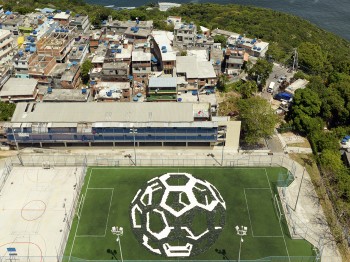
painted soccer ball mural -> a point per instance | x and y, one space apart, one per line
177 215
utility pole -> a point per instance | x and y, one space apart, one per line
295 60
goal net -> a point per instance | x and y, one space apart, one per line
277 207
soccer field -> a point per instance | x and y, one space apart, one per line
248 194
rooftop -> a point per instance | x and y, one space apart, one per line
62 16
107 112
66 95
125 24
194 68
162 82
140 56
164 38
19 87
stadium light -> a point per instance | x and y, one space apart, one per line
241 231
118 231
14 137
134 131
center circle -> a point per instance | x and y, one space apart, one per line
33 210
177 215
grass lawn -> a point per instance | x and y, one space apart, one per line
248 193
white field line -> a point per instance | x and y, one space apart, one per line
250 221
284 239
76 229
109 210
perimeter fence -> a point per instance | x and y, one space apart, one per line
296 226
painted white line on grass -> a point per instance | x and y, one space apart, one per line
253 188
102 188
109 209
76 229
279 221
165 167
250 221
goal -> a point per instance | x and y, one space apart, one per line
46 165
277 207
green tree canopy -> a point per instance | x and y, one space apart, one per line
260 71
258 119
85 69
311 57
6 111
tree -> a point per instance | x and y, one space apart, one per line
222 83
220 39
6 111
260 71
311 57
246 89
258 119
85 69
305 111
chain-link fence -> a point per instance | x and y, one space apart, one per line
296 226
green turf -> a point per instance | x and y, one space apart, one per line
248 193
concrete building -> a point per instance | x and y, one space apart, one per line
5 73
21 64
11 22
234 60
112 91
71 76
162 48
185 34
163 124
115 72
119 27
94 38
63 18
79 51
6 46
195 73
17 89
164 6
63 95
81 22
39 68
162 89
56 44
141 66
254 47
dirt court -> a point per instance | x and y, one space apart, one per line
35 206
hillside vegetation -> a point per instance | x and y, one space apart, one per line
321 111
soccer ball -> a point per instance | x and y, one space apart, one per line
177 215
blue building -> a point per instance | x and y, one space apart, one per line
120 124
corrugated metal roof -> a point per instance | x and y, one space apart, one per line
105 112
162 82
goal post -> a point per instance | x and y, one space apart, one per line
277 207
79 209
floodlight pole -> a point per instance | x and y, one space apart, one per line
241 231
118 231
134 131
301 182
14 137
